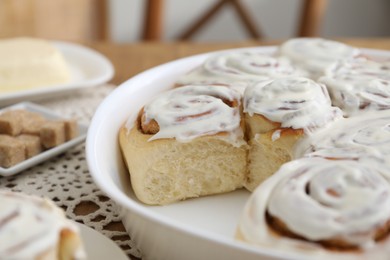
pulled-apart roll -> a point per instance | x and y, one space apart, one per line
314 204
186 143
34 228
278 113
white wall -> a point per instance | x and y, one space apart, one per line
276 18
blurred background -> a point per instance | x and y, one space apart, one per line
277 19
123 21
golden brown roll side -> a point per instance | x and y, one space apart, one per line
203 154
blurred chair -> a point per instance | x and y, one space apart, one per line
312 15
153 20
241 11
70 20
310 19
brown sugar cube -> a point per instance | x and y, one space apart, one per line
32 123
52 133
10 122
71 129
11 151
32 144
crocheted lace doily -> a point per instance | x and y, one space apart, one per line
66 180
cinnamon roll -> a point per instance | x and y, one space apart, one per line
35 228
186 143
278 113
313 206
358 85
362 138
315 55
239 68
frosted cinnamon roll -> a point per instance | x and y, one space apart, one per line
322 208
292 102
358 85
362 138
186 143
315 55
278 113
239 68
35 228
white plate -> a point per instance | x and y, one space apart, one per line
201 228
88 68
98 246
48 153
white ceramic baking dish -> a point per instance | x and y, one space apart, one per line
201 228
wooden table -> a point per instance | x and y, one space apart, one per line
131 59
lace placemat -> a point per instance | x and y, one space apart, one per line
66 180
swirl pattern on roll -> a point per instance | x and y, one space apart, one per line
316 54
363 138
341 205
239 68
295 102
191 111
359 84
30 226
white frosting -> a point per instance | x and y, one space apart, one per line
276 134
29 226
359 84
238 68
349 197
363 138
294 102
316 54
191 111
300 195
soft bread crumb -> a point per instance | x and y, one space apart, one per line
164 171
267 155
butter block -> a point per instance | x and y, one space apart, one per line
27 63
